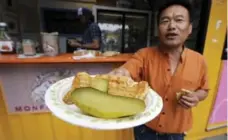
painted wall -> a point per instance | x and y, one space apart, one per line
32 80
212 53
44 126
218 117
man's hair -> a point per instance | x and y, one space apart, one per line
89 17
87 13
185 3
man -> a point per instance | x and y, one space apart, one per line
169 68
91 38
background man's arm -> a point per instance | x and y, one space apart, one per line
94 45
95 35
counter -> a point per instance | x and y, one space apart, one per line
62 58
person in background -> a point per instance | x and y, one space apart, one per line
169 68
91 38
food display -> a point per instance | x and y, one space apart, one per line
107 96
110 53
87 52
93 53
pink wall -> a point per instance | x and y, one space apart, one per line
219 113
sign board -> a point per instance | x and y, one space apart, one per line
24 86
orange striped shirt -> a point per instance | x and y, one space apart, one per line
152 65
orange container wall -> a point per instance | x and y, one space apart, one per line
44 126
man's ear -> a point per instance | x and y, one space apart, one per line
190 29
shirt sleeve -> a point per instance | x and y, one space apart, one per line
95 32
135 65
204 77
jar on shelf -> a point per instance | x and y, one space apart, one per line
6 43
29 47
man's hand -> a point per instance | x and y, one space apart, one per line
74 43
120 72
189 100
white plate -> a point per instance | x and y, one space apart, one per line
73 115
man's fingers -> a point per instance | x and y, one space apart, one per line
112 72
186 103
120 72
183 105
126 73
187 98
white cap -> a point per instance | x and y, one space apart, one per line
83 11
80 11
3 24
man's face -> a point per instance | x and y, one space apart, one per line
174 26
82 19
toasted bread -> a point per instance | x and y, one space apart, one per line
117 85
124 86
82 79
182 92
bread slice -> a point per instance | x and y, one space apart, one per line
117 85
81 79
124 86
182 92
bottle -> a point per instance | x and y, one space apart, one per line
6 43
28 47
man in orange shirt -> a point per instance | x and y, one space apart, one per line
169 68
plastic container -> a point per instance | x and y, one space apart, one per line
50 43
29 47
